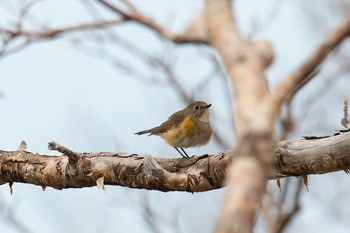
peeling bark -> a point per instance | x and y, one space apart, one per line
194 174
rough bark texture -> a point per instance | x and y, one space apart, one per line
195 174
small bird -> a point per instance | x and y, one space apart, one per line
188 127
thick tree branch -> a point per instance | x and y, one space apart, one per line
195 174
302 74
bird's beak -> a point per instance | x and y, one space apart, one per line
208 106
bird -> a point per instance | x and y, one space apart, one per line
188 127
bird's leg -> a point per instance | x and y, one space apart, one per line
181 153
184 152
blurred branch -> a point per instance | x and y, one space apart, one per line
25 37
286 119
275 209
17 38
155 220
310 102
284 217
10 216
149 215
301 75
194 174
51 33
119 62
11 35
140 18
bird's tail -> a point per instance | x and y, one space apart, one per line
145 131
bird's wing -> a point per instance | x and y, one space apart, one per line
173 121
165 126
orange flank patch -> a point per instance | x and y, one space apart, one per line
187 125
179 135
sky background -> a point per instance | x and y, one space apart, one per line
71 90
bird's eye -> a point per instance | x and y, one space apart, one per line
196 107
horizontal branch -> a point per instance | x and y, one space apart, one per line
194 174
51 33
29 36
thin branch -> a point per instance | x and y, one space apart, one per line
302 74
10 216
140 18
312 99
118 62
33 36
6 51
285 217
287 121
24 13
51 33
149 215
73 156
10 35
296 89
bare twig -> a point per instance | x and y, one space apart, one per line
140 18
9 213
22 146
32 36
329 81
285 217
148 214
296 89
24 13
51 33
287 120
73 156
155 220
